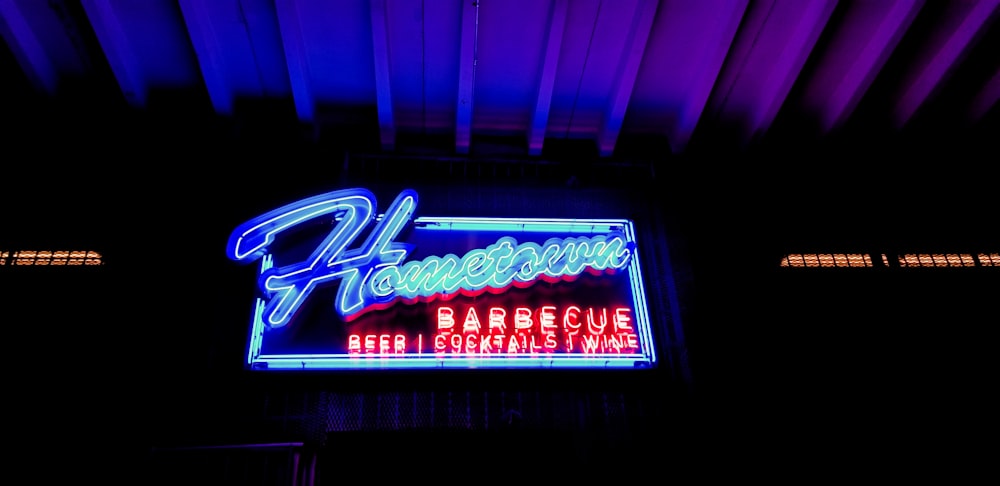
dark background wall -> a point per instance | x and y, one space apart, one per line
823 366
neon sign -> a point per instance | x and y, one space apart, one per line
341 287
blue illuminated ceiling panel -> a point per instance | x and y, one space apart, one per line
532 72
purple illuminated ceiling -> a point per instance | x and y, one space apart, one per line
527 71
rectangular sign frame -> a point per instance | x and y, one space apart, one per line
640 354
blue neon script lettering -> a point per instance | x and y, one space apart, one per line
373 274
287 287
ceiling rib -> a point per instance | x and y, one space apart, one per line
27 48
946 56
383 93
986 99
628 69
209 48
693 104
772 44
837 102
546 84
466 75
296 58
789 62
726 100
115 44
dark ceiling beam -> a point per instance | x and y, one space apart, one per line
836 103
383 92
115 43
723 29
296 57
210 49
27 47
986 99
773 42
951 47
466 75
628 69
791 57
547 81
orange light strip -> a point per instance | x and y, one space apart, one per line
937 260
852 260
52 258
906 260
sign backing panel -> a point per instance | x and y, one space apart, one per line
340 287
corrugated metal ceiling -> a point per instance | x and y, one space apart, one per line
681 74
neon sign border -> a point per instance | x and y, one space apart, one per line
344 361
